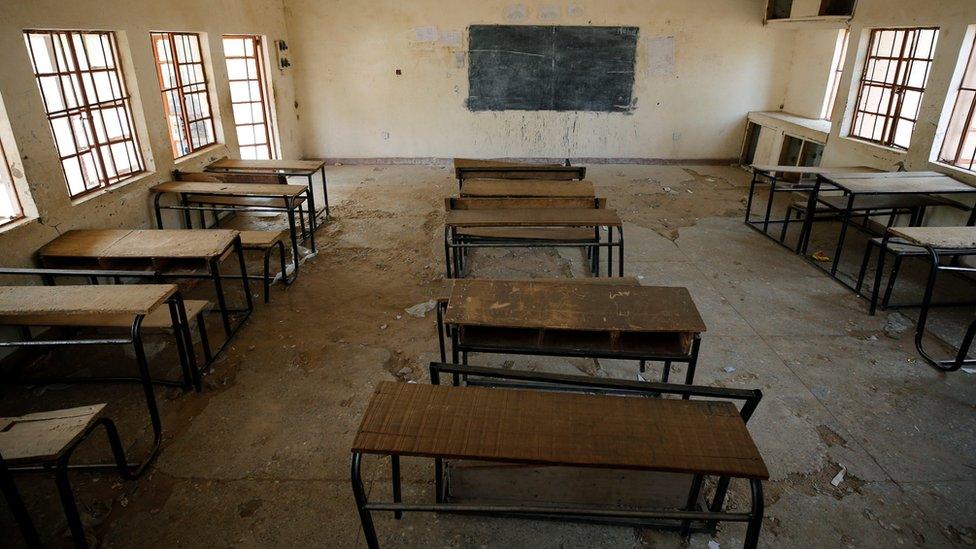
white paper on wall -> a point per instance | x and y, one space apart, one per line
575 9
451 38
660 56
550 12
425 34
516 13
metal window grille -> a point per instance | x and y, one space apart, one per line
249 96
892 83
88 106
959 146
186 97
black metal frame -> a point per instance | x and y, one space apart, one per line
309 176
845 216
457 247
934 254
763 177
459 351
61 466
696 512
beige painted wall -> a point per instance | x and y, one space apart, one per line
126 205
813 54
353 105
954 18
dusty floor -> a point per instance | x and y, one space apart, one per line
261 457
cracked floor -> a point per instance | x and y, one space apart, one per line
261 458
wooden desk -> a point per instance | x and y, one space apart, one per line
99 307
175 252
696 437
456 244
569 318
508 188
466 168
290 168
857 185
772 175
257 197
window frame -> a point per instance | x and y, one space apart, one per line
836 73
892 116
9 187
180 91
84 107
970 122
260 61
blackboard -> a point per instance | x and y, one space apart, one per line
551 68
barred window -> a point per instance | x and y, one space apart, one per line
959 146
88 106
10 209
249 96
892 83
836 71
186 97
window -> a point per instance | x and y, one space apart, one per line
894 77
186 99
959 147
836 71
249 96
10 209
88 106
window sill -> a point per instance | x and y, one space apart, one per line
16 224
954 170
144 176
890 150
195 155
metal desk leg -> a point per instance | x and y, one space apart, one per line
214 268
187 218
16 504
395 478
755 523
447 251
290 204
620 230
804 241
610 251
877 274
769 204
752 192
845 220
359 493
239 249
312 219
325 192
149 392
159 213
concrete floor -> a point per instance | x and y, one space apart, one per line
261 458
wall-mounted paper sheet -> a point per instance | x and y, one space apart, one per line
660 56
425 34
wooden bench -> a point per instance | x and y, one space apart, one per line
572 318
531 227
529 188
279 167
592 431
466 169
266 242
46 441
938 243
253 197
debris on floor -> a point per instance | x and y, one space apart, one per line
420 310
821 256
896 324
839 477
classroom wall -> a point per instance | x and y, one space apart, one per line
954 19
35 162
353 105
810 66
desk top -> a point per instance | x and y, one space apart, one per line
43 436
541 217
573 306
139 244
21 305
944 238
527 188
229 189
478 164
536 427
813 170
905 183
296 167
